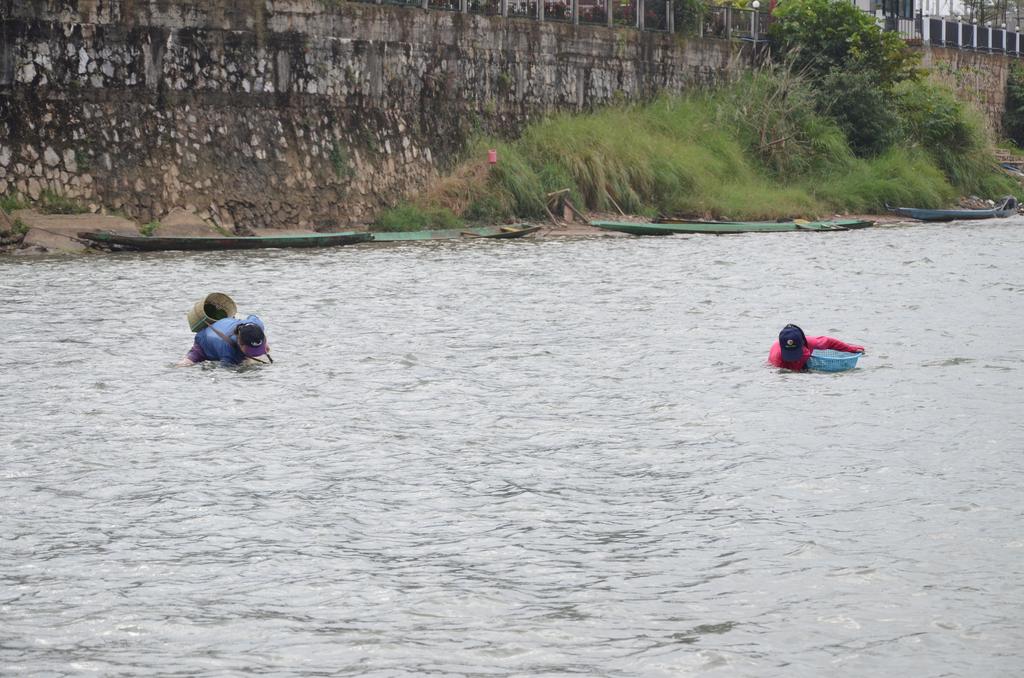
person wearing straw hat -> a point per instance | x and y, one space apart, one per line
230 341
793 348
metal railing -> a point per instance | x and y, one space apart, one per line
909 28
720 21
963 35
485 7
645 15
731 23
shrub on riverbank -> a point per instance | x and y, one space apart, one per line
953 135
755 149
1013 118
844 122
678 155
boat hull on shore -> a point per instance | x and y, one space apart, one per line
728 227
140 243
504 232
456 234
1008 208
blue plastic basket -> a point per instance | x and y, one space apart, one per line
829 360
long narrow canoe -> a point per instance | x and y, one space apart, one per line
141 243
455 234
505 232
723 227
1007 209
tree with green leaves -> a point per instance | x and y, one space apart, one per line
1013 119
852 64
819 36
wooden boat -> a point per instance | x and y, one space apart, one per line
724 227
456 234
505 232
1006 209
141 243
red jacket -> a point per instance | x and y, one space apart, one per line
775 355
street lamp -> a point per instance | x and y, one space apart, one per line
753 20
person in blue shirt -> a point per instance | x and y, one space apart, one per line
230 341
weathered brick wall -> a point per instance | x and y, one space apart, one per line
285 112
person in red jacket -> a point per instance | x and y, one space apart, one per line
793 348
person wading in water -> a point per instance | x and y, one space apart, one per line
230 341
793 348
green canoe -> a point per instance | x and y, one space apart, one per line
504 232
141 243
517 231
117 241
722 227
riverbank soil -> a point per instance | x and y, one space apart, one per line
10 233
58 233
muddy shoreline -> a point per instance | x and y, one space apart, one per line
57 233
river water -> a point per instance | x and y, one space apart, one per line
539 457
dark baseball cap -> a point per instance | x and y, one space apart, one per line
252 340
792 342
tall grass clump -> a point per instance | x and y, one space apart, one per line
589 151
410 217
711 154
899 176
51 202
675 155
518 180
954 136
467 191
11 202
773 112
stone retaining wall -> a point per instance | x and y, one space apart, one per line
976 77
291 113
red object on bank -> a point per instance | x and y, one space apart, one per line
492 157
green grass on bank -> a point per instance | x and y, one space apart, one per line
751 150
413 218
904 177
51 202
12 201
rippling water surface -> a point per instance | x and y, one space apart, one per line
535 457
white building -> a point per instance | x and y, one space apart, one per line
909 8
